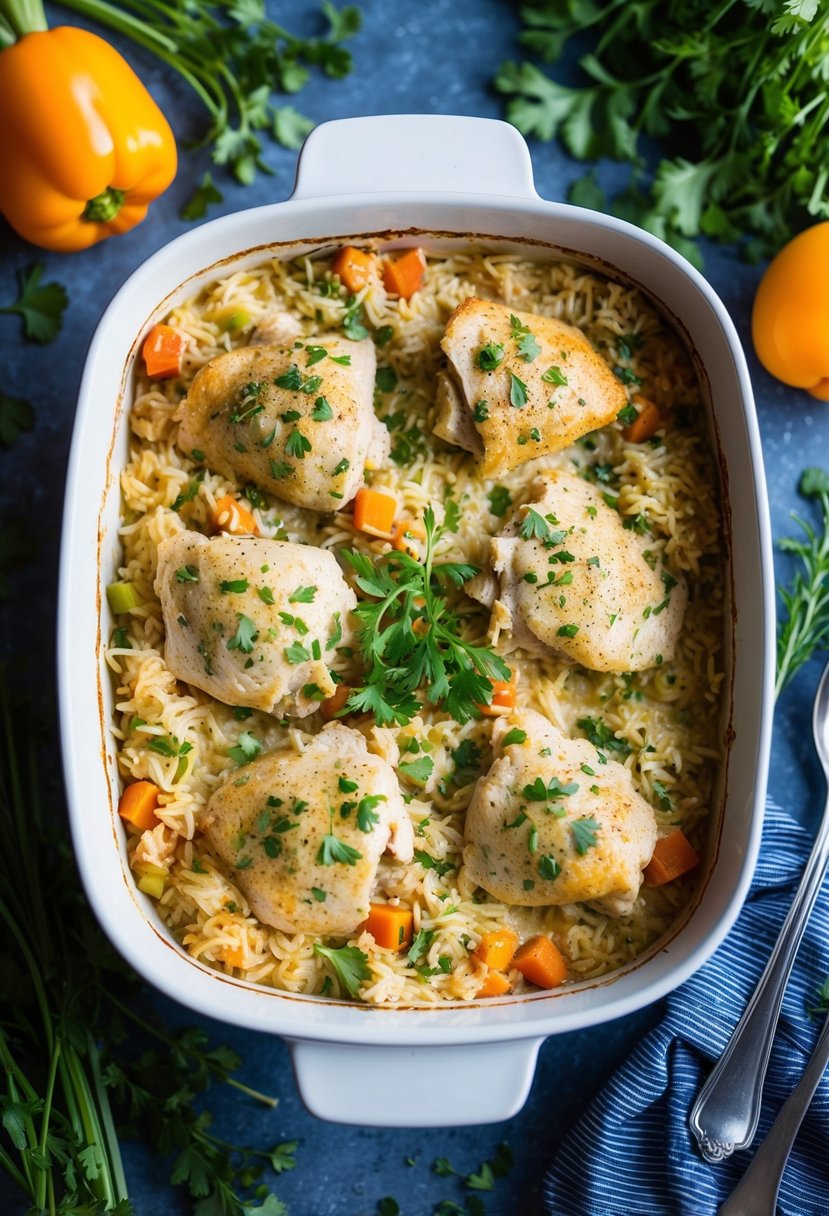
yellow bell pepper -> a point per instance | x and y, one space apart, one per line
83 146
790 321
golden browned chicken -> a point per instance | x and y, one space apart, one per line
569 577
302 837
252 621
552 823
519 385
296 419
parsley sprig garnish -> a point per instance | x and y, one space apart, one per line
410 638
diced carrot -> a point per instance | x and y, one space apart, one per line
495 984
232 956
541 962
497 948
503 697
404 276
673 855
162 351
390 926
230 516
137 805
353 267
405 534
647 422
332 705
374 512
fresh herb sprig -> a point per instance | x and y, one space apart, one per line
805 628
63 1092
411 639
743 94
234 58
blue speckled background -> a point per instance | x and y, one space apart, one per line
435 56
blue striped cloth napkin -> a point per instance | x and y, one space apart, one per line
632 1154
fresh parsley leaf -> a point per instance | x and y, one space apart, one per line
514 736
297 444
297 653
386 379
584 832
419 770
367 817
16 416
41 307
420 945
234 586
302 595
600 735
548 867
554 375
332 850
205 193
322 412
349 965
246 748
281 1157
490 356
517 391
534 526
500 501
245 636
290 127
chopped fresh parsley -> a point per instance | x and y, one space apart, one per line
302 595
490 356
419 770
480 411
296 653
554 375
245 636
349 964
500 501
517 391
297 444
386 379
514 736
584 833
187 574
246 748
322 411
367 817
342 467
600 735
548 867
235 586
628 415
333 850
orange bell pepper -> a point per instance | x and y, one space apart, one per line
790 320
84 147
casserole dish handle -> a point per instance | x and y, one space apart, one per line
414 154
415 1086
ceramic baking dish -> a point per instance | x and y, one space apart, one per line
445 183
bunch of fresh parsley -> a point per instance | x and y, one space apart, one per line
68 1093
736 93
410 638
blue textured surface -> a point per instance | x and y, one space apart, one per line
436 56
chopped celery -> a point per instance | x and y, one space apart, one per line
235 321
152 884
122 597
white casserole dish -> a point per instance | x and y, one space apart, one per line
440 182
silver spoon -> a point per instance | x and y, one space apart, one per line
725 1115
756 1192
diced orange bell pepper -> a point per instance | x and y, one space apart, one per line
404 276
162 351
541 962
353 267
137 805
390 926
673 855
374 512
230 516
503 697
497 948
495 984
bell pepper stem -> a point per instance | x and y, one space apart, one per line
20 17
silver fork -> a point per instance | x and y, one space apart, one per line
756 1192
725 1115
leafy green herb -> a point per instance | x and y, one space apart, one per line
584 833
805 627
500 501
419 770
514 736
342 467
297 445
490 356
353 326
388 1207
367 817
349 965
554 375
534 526
753 129
41 307
332 850
466 758
548 867
386 379
204 194
245 636
399 658
322 411
480 411
16 416
302 595
420 945
517 391
290 127
431 863
246 748
600 735
297 653
234 586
